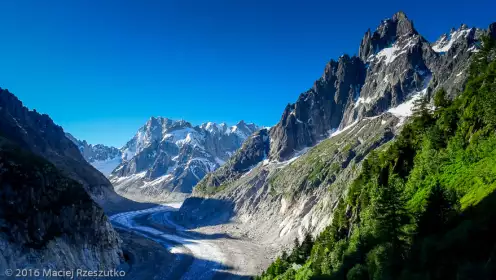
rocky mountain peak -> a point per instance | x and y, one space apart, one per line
243 129
165 124
153 121
213 127
388 32
241 123
328 70
319 110
168 157
154 131
103 158
399 16
446 41
394 64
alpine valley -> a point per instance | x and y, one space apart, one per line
382 169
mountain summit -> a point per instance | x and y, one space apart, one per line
287 180
166 158
395 63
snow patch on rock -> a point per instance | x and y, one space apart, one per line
106 166
446 42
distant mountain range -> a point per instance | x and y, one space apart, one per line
166 156
103 158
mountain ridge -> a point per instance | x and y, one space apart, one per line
104 158
51 197
166 158
319 144
39 134
395 65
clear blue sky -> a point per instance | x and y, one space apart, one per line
102 68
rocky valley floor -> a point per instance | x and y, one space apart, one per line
158 248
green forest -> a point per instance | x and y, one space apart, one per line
424 207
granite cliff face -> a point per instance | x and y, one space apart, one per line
319 110
48 218
317 147
166 158
395 65
38 134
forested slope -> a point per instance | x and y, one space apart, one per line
424 207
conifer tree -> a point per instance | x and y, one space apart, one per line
440 100
441 206
392 216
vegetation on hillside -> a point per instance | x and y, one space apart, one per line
424 207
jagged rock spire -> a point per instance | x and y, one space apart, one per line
386 34
319 110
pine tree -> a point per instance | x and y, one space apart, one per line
421 107
440 100
441 206
391 216
284 256
390 210
306 246
294 257
422 117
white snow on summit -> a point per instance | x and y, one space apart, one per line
103 158
175 155
390 54
445 43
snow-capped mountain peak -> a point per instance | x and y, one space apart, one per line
242 129
103 158
446 41
211 127
168 156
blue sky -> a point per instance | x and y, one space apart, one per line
102 68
